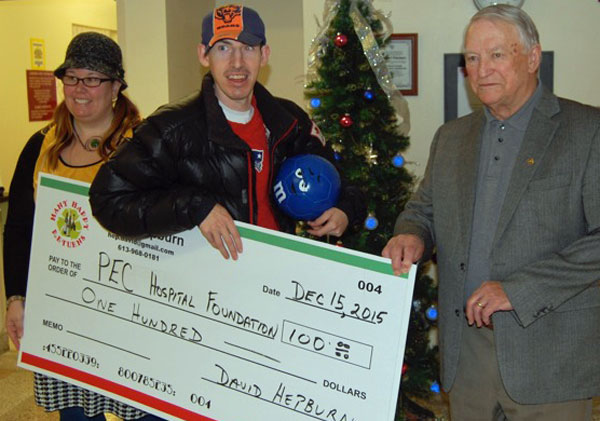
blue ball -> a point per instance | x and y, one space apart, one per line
315 102
306 186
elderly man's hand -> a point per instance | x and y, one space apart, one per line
485 301
404 250
220 231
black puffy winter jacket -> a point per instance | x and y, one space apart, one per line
185 158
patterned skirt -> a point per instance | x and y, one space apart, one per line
53 395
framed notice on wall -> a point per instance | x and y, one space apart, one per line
402 54
41 94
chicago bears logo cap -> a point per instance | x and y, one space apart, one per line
233 22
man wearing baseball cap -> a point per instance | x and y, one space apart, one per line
211 158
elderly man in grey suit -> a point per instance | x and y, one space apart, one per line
511 202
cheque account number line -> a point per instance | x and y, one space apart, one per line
262 399
287 373
341 313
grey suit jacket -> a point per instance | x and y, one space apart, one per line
546 249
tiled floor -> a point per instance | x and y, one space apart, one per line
17 404
16 393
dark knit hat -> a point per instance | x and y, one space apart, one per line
94 51
233 22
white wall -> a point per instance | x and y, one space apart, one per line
570 28
143 39
184 33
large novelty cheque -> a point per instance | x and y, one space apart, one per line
293 330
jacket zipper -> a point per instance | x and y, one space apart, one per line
272 154
271 164
250 188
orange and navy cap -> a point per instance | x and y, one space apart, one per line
233 22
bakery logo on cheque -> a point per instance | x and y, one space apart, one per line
71 222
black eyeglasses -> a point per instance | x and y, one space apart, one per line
90 82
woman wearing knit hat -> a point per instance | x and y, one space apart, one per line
87 126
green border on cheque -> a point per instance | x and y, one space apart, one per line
62 185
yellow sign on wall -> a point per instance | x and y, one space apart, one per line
38 53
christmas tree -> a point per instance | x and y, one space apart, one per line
365 119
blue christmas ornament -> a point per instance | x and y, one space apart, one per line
337 156
371 222
369 95
431 313
306 186
435 387
398 161
315 102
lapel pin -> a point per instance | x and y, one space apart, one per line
530 161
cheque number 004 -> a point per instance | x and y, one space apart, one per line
369 287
